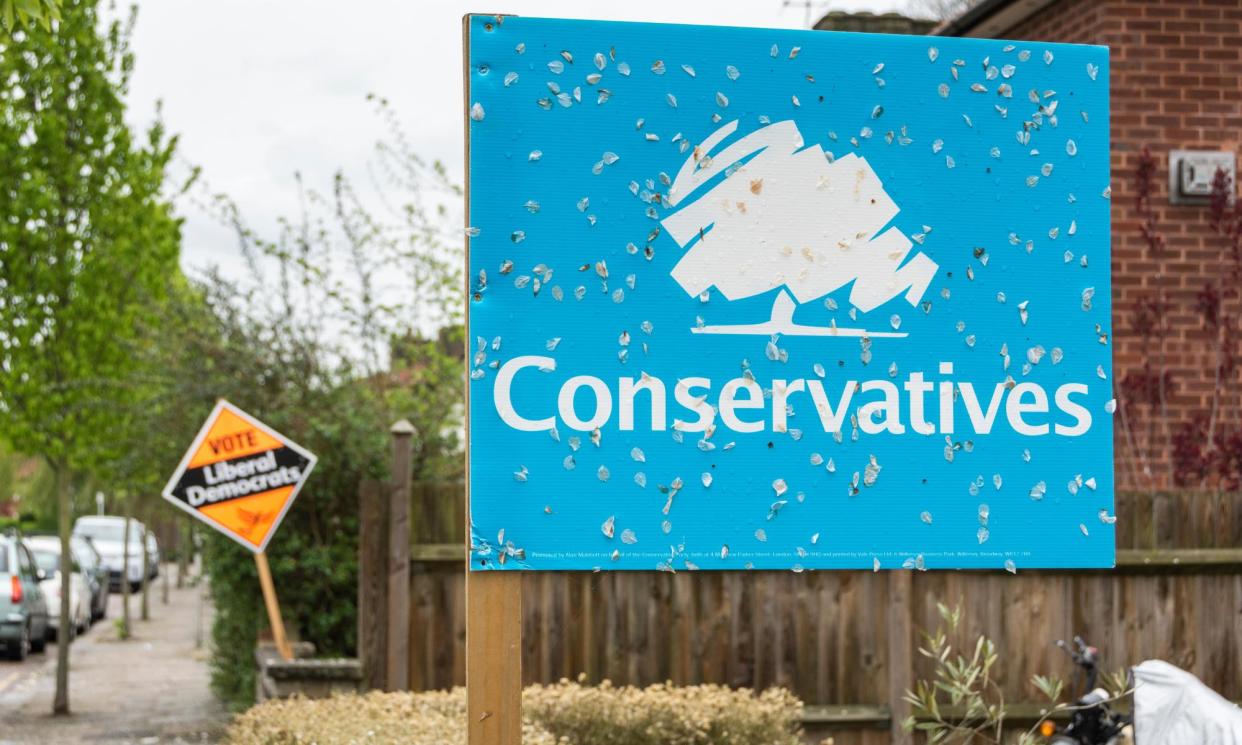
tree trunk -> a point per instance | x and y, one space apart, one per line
146 573
183 552
124 630
60 705
167 571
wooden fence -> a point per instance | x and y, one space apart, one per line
845 641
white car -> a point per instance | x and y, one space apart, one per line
107 532
46 550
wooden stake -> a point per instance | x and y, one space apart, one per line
493 658
273 607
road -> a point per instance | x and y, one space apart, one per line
147 690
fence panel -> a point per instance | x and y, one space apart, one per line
1176 595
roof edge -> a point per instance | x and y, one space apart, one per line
990 18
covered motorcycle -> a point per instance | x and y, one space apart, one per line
1173 707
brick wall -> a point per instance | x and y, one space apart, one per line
1176 84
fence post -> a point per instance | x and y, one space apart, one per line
900 652
398 664
372 582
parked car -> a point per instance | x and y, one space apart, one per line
107 533
23 611
153 551
76 592
96 574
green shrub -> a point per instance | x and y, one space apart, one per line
664 714
430 718
566 713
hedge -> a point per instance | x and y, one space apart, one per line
566 713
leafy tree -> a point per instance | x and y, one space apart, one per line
14 13
87 243
425 388
26 482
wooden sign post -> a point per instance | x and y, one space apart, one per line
494 658
273 607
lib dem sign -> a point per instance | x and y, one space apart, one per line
766 299
239 476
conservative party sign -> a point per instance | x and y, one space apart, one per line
747 298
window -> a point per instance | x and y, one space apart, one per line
26 564
110 531
84 554
48 562
4 557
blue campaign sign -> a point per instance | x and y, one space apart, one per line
748 298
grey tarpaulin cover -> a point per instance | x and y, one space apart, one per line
1173 707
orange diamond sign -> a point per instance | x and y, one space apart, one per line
240 476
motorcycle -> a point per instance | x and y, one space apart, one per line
1092 719
1170 707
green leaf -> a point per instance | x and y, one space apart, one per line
1050 686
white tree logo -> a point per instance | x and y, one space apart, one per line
771 214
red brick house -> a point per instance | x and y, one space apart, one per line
1176 86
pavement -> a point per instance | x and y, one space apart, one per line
147 690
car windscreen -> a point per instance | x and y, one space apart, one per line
4 557
105 531
47 561
85 554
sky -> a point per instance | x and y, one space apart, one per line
261 91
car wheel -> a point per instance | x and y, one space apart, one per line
21 649
39 643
